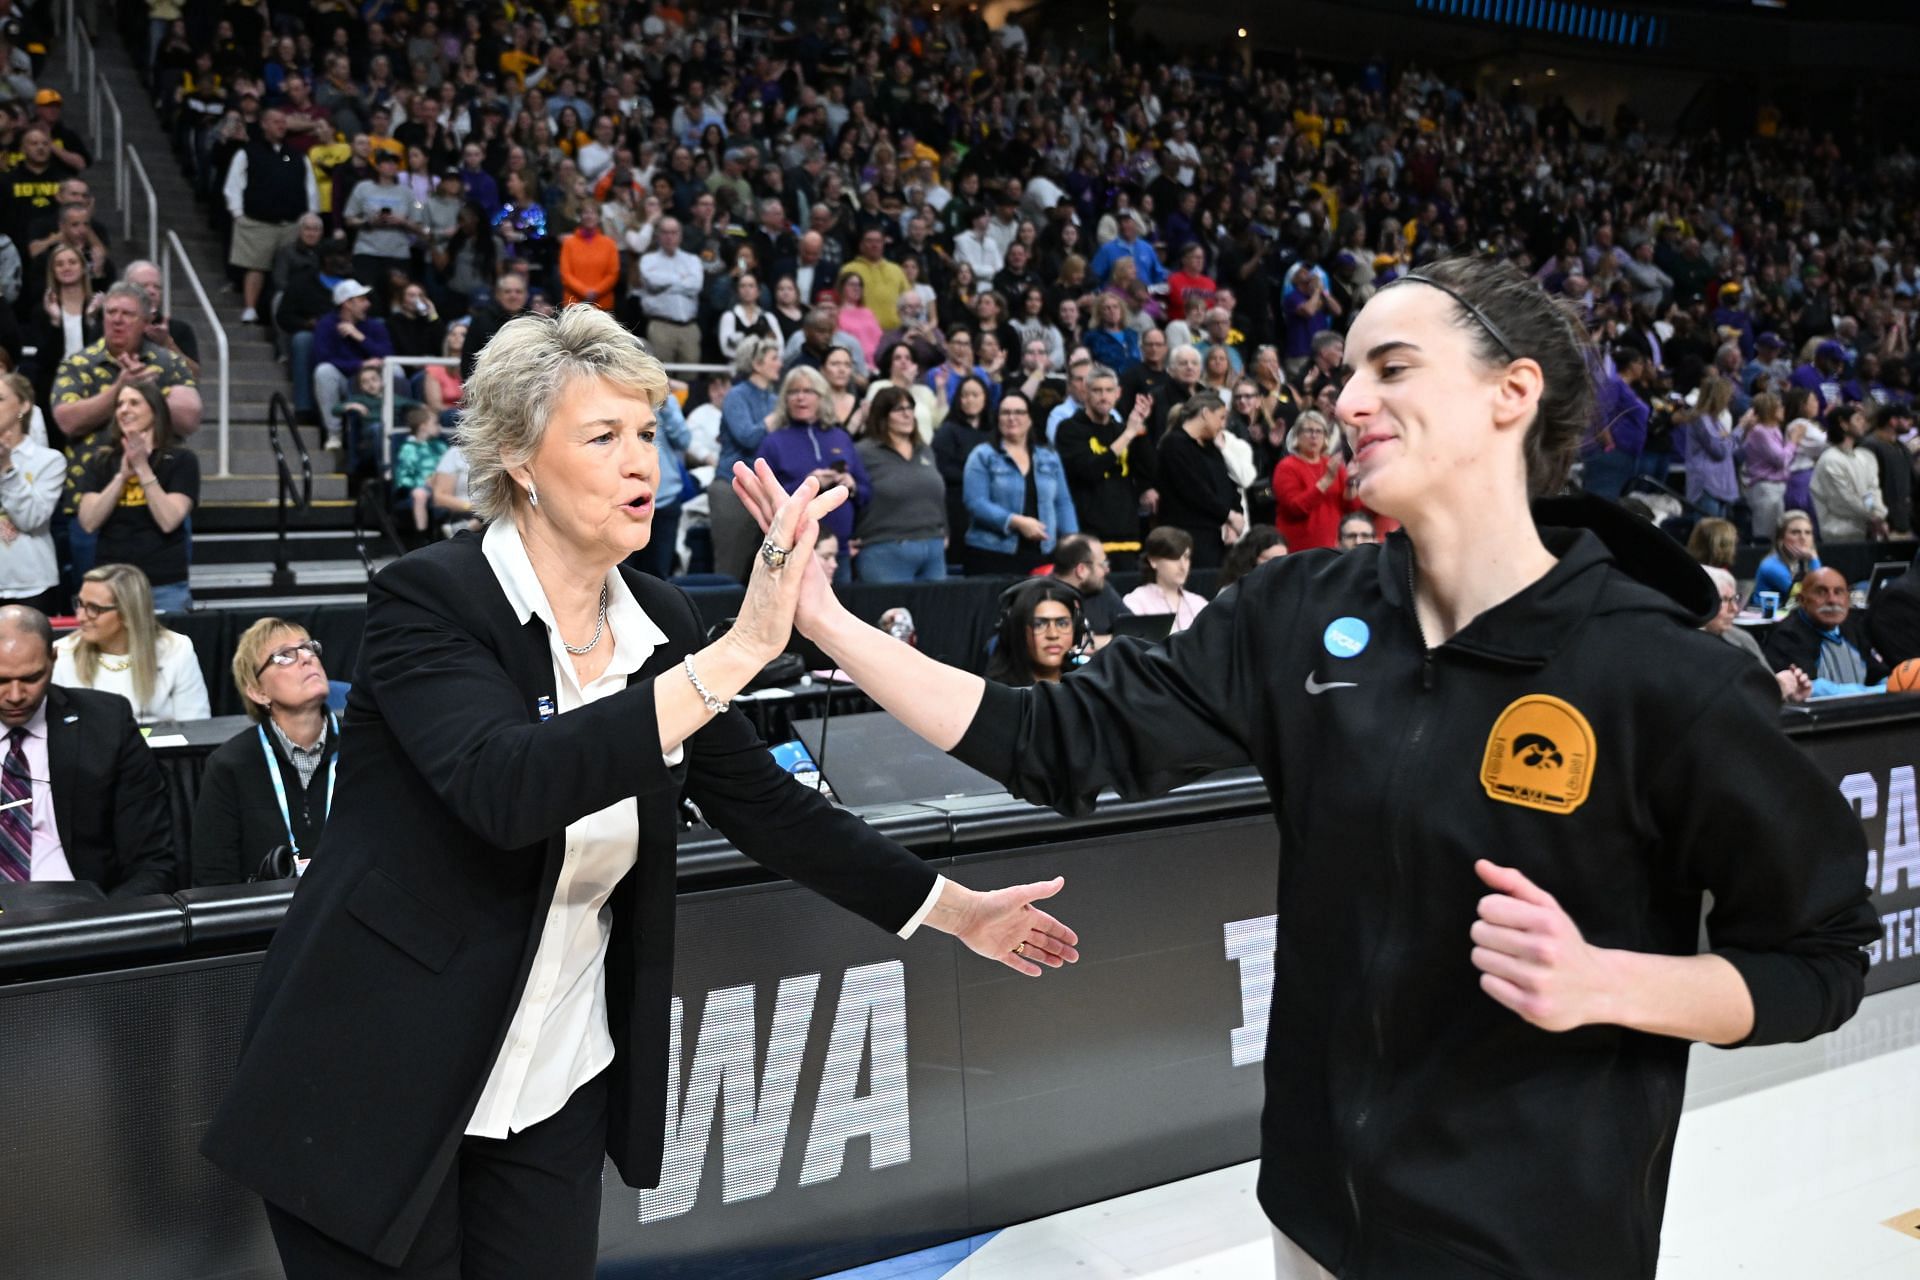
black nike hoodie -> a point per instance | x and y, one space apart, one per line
1584 731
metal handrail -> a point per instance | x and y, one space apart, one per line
153 207
173 247
279 409
119 143
386 393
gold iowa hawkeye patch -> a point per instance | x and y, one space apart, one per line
1539 756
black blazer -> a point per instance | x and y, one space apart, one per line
109 803
387 992
236 818
1796 643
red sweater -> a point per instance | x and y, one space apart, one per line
1309 516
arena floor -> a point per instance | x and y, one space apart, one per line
1791 1163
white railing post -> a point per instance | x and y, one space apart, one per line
175 248
105 92
153 206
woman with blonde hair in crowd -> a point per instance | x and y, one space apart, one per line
1794 556
270 785
805 440
1216 369
1767 456
1711 483
120 647
1714 543
32 477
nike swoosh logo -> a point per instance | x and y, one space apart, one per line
1315 687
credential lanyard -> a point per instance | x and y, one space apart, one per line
280 784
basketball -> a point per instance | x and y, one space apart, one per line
1905 677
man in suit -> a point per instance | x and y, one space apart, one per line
94 804
1825 638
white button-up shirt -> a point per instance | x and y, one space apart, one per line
558 1039
671 285
49 855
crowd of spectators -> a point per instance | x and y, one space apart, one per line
901 196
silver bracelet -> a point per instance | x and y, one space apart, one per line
714 704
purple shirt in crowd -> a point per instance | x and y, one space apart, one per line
1301 325
1768 454
799 449
344 354
1619 409
1710 468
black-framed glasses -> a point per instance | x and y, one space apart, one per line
88 609
1041 625
290 654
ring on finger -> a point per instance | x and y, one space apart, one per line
773 555
1021 950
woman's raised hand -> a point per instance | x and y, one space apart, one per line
784 568
760 491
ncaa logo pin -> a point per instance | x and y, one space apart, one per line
1346 637
544 707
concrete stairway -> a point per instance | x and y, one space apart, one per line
255 372
235 543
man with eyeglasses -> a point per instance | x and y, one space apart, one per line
1357 530
81 798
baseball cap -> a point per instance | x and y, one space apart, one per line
348 290
452 175
47 98
1831 350
1730 287
1769 339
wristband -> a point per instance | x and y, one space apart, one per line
714 704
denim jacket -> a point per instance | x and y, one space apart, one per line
995 492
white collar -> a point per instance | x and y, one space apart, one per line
36 725
635 635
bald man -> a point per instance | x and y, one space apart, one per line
80 795
1826 639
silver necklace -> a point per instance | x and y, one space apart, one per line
599 625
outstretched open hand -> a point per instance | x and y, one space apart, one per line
1004 925
761 492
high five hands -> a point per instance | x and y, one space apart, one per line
1003 924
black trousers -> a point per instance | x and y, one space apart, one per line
523 1207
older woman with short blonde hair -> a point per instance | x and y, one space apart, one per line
805 441
269 787
466 1009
